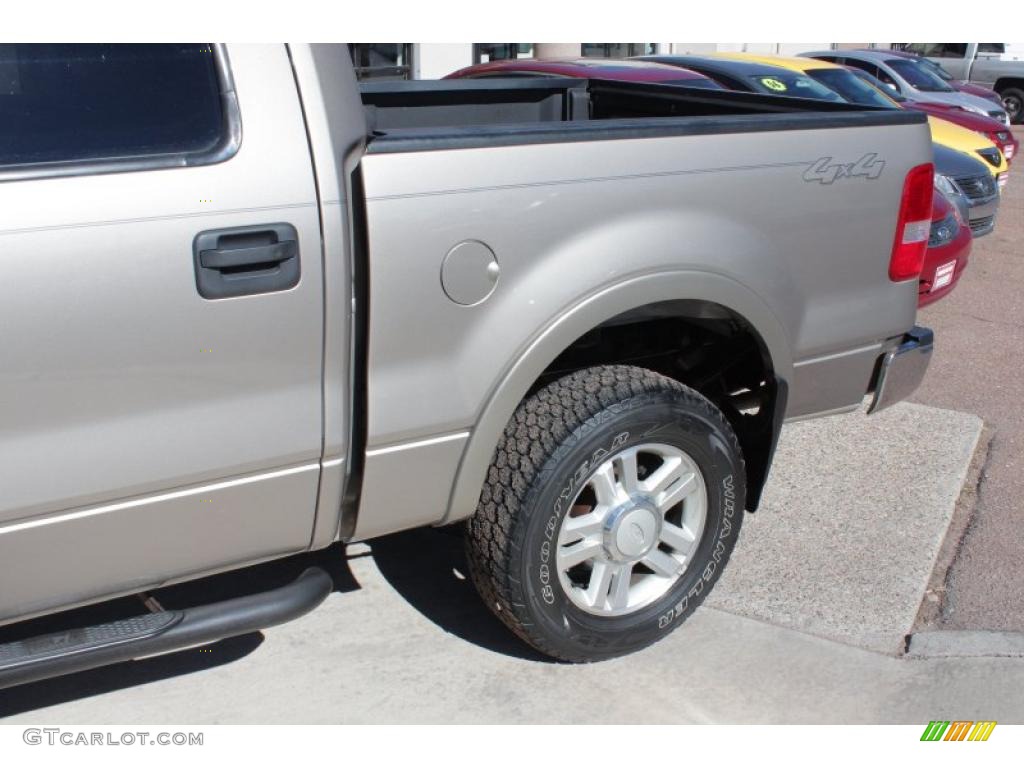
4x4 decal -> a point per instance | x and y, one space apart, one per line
824 171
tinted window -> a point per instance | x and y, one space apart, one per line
851 87
868 67
483 52
923 49
936 68
67 102
879 86
616 50
382 61
918 76
991 47
940 50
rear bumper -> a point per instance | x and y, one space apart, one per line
901 370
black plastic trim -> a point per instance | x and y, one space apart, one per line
759 462
359 368
759 113
245 261
182 629
516 134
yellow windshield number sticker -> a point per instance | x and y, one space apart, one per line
773 84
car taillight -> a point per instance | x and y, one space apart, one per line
913 224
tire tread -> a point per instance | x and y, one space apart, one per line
543 428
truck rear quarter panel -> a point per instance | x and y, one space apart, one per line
585 230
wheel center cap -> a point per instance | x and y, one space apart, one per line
632 531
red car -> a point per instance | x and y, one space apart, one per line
992 129
949 247
606 69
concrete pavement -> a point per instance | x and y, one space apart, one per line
842 548
372 656
853 518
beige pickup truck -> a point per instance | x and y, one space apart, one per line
248 310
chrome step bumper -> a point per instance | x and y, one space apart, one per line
901 370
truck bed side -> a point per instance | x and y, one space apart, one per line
592 218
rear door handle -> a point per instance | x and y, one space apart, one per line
245 261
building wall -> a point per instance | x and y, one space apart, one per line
781 49
434 60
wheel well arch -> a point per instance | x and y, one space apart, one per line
708 307
1008 82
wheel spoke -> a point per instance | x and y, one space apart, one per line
577 553
606 489
619 597
661 563
597 588
684 486
663 476
628 474
676 536
581 527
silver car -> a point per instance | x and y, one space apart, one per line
911 79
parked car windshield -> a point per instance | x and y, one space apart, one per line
918 76
792 84
934 67
851 88
878 85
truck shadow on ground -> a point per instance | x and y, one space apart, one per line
427 567
223 586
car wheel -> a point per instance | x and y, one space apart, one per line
1013 103
611 506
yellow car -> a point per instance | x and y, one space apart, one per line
853 89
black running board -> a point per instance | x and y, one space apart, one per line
75 650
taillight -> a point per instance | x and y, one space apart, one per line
913 224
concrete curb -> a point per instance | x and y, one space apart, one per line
965 643
935 602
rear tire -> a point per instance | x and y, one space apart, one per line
611 506
1013 103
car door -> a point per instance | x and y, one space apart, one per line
161 309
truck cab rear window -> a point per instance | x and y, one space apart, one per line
62 103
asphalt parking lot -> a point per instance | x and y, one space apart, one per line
811 622
977 365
